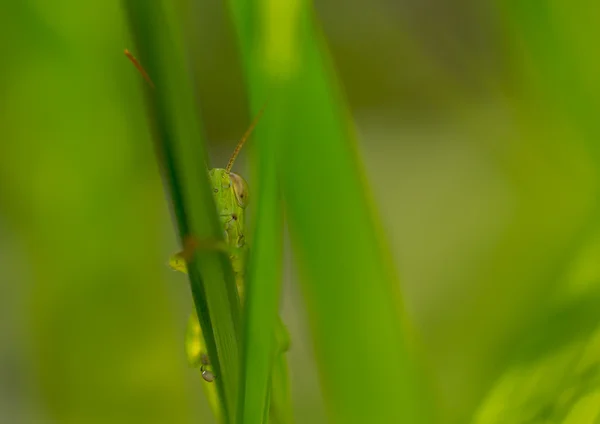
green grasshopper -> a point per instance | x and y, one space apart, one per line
231 196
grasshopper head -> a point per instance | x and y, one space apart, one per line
229 189
231 197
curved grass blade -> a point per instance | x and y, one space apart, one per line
182 156
351 291
81 216
265 395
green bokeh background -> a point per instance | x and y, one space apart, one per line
477 124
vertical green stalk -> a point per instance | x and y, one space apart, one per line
265 395
182 155
261 309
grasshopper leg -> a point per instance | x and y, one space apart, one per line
178 261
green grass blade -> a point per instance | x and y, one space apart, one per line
351 291
265 374
83 206
352 296
183 156
265 384
261 309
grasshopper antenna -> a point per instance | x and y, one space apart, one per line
139 67
243 139
240 144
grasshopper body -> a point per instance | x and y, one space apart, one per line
231 197
230 192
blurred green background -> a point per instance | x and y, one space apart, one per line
478 126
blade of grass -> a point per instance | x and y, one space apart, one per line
81 202
264 279
265 395
182 155
351 291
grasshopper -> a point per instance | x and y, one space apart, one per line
231 195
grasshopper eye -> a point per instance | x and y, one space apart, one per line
240 188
